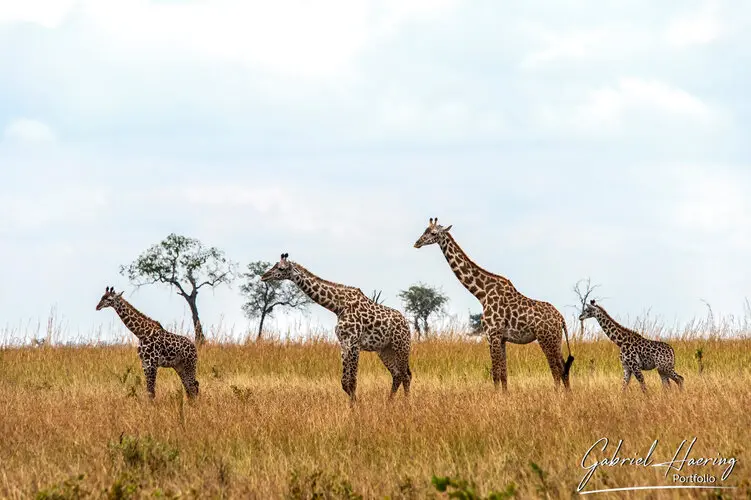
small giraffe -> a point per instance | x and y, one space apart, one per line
507 315
362 325
637 353
156 346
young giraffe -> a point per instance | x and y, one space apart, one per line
637 353
362 325
156 346
507 315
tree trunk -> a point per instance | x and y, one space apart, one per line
260 325
197 328
417 327
425 328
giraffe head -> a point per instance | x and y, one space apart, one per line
109 298
433 233
282 270
589 310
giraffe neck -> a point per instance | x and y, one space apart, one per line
473 277
325 293
141 325
619 334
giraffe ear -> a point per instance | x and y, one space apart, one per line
446 230
120 294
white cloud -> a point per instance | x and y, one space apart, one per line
571 45
47 13
290 37
44 207
711 202
287 208
608 105
27 130
699 28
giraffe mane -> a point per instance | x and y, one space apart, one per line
322 280
628 330
140 314
482 269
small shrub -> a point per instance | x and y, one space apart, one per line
320 486
70 489
244 394
145 453
124 488
467 490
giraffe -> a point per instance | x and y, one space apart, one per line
156 346
637 353
507 315
362 325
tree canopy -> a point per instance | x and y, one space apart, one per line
421 301
185 264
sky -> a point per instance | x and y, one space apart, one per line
563 140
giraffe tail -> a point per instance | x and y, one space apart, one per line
570 360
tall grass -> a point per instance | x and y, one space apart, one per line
272 421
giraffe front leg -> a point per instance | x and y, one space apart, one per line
626 377
498 360
350 360
149 372
640 377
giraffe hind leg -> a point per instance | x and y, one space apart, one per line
676 378
665 377
388 357
555 361
402 362
187 374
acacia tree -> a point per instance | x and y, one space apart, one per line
265 296
475 323
422 301
185 264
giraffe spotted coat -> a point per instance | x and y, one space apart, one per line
507 315
637 353
362 324
156 346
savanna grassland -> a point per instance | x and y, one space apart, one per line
272 421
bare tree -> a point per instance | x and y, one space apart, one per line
376 296
583 289
263 297
185 264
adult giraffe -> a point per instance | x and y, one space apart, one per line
362 324
507 315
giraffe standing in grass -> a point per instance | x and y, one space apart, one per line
156 346
362 325
637 353
507 315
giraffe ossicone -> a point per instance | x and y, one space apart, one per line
508 315
362 324
156 346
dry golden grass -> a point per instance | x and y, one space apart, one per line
272 420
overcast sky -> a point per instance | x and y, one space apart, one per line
561 139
